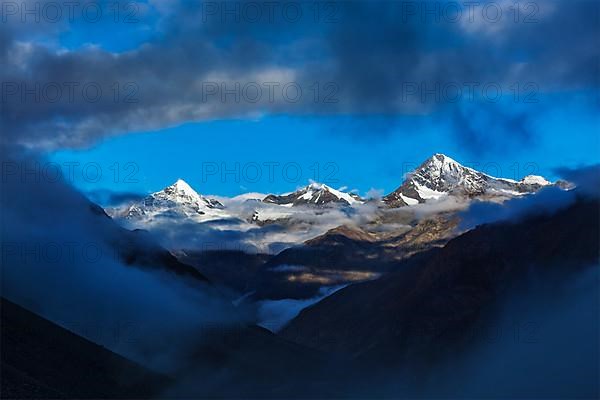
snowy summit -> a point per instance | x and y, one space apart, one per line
315 194
440 176
177 199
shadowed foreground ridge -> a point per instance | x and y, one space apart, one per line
418 314
42 360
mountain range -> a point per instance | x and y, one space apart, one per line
315 194
293 245
436 178
388 337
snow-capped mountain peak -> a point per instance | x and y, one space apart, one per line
181 188
182 193
315 193
316 186
441 175
176 199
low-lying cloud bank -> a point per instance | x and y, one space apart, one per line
546 202
59 260
274 314
289 226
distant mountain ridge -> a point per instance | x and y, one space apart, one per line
316 194
437 177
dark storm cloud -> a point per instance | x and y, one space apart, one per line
382 58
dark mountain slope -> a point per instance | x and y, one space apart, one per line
138 248
428 310
346 255
40 359
43 360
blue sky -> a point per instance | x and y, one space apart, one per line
339 151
